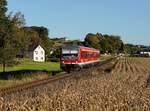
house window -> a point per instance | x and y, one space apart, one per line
41 58
42 52
36 58
36 52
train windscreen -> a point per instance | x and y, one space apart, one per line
70 56
69 53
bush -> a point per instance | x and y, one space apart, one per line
54 59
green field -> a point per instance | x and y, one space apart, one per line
30 65
47 66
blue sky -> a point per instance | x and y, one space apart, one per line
75 18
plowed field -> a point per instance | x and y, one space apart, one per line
125 88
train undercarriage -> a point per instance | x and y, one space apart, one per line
79 66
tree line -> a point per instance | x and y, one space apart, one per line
105 43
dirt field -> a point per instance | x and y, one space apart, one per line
125 88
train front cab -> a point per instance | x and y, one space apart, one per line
70 58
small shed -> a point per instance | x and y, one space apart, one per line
37 54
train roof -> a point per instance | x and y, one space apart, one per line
83 48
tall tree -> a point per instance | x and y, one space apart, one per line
18 21
92 40
8 40
106 43
38 35
3 8
42 31
114 43
32 37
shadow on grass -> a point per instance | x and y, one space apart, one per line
24 73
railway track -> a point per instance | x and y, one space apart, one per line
56 77
26 86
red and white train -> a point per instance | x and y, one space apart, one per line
77 57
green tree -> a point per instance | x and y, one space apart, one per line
3 9
92 40
32 37
106 43
131 49
47 44
112 43
42 31
18 21
38 36
8 40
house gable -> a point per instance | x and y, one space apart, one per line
39 54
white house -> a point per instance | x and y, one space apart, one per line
38 54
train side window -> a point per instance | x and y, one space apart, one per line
83 55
